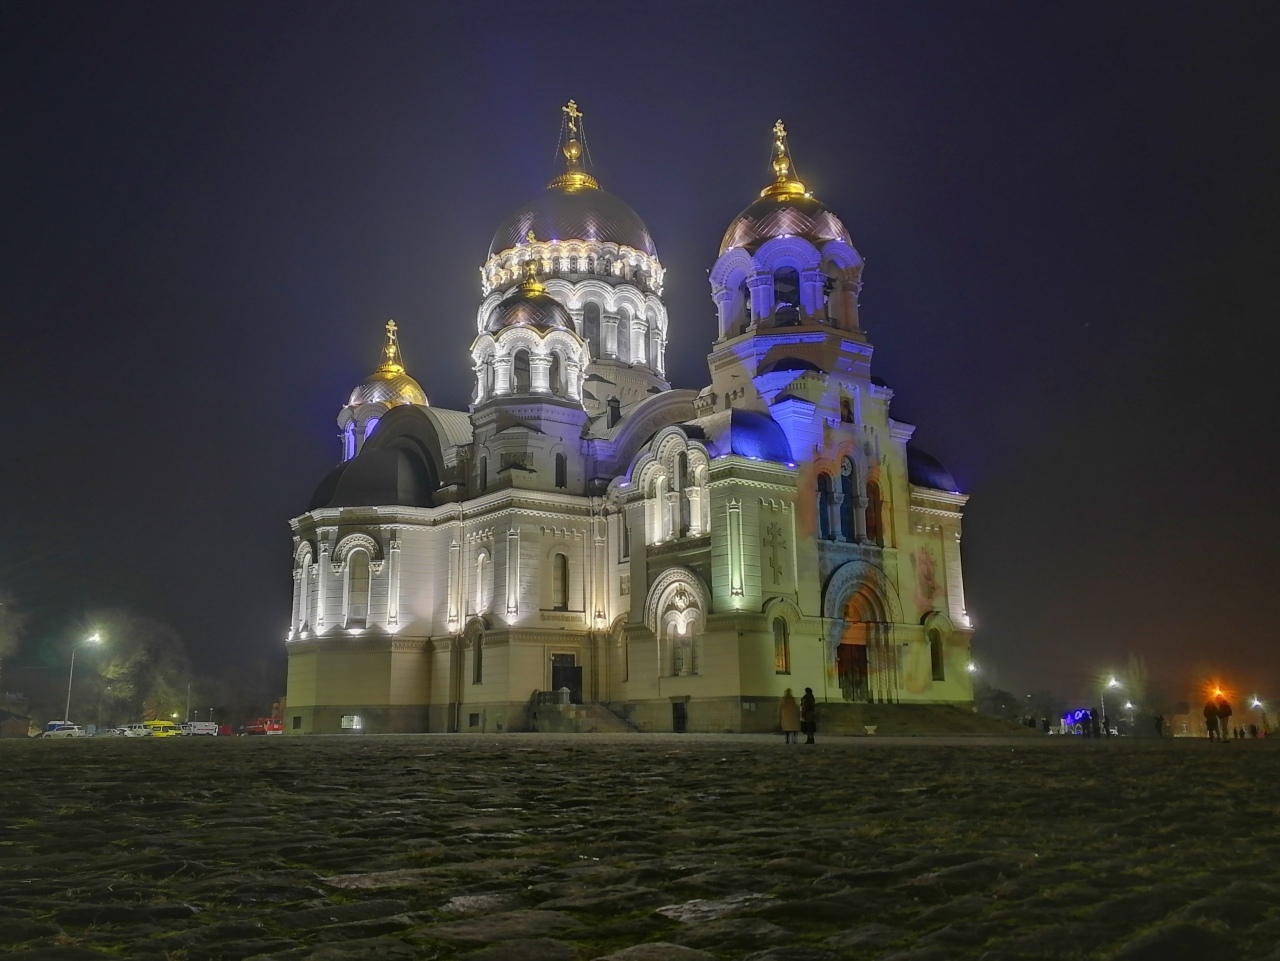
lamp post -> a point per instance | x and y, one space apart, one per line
1102 699
94 638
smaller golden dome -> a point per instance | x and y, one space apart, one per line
389 384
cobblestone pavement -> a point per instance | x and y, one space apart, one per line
645 848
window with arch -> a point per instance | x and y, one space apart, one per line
591 328
615 410
483 475
781 647
655 347
560 583
304 588
660 513
684 504
875 527
477 659
520 372
562 471
937 660
848 488
484 587
357 587
786 297
824 506
555 375
682 643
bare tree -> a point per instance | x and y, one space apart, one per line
12 623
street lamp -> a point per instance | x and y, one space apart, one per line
1102 698
971 668
94 638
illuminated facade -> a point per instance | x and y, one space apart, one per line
672 557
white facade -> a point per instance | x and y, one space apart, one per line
679 557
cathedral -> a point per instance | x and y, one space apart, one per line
587 540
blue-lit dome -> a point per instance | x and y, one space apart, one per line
925 470
746 433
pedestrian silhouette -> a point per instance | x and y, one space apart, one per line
789 718
1159 722
1224 716
808 715
1211 719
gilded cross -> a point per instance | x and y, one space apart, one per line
779 132
574 114
775 541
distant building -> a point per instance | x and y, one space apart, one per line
677 556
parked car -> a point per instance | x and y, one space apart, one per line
200 728
264 725
62 729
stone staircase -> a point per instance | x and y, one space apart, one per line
578 719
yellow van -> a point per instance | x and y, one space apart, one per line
162 728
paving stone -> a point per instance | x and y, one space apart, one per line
725 933
405 877
1178 942
792 952
658 951
17 930
701 909
481 903
868 935
506 926
524 949
338 913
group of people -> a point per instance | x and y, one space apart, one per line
1217 718
798 718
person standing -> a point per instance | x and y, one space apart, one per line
1211 719
808 715
1159 722
789 718
1224 717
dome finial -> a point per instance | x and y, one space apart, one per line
785 184
531 284
573 137
393 362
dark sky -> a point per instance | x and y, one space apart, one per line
1068 214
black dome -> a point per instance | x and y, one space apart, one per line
529 308
574 213
783 215
925 470
377 477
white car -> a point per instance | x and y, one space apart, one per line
62 729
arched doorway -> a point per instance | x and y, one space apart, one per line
862 609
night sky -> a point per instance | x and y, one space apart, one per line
1068 214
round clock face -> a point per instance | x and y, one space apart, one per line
846 468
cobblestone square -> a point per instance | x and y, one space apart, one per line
527 848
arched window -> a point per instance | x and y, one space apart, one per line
744 318
875 530
560 583
615 410
781 647
520 372
487 390
660 510
349 442
562 471
848 488
483 477
357 588
786 297
824 506
682 482
655 348
936 659
555 375
591 328
477 659
483 573
304 588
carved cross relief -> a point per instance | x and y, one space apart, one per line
775 541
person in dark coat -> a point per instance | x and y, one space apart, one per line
808 715
1224 716
1094 725
1159 722
1211 718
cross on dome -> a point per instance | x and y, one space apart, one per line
394 363
785 183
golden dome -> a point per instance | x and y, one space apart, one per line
389 384
529 306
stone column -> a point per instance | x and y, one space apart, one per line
540 374
393 582
849 304
609 334
455 550
296 620
860 518
724 308
833 514
573 374
322 600
811 284
513 573
761 288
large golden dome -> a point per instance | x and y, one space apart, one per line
573 207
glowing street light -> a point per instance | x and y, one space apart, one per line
971 667
1102 698
94 638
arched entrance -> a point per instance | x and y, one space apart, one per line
861 608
